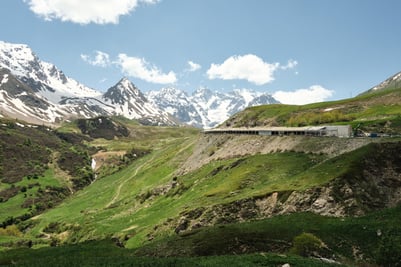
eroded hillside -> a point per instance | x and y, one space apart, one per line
211 147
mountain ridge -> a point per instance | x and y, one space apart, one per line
205 108
51 97
55 97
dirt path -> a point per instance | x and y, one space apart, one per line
118 191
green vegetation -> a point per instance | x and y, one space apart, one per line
39 168
171 192
306 244
105 254
342 237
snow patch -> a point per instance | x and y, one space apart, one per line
4 80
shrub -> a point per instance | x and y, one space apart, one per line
388 251
11 230
306 244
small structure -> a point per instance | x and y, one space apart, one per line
329 130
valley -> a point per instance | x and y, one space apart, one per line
177 192
113 179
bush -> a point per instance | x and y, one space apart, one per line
306 244
11 230
389 248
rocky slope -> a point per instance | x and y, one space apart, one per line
372 183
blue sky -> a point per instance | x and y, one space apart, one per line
299 51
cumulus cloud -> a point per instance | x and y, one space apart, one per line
290 64
100 59
193 66
248 67
85 11
313 94
139 68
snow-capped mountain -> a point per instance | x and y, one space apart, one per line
18 100
177 103
206 108
38 91
42 77
129 102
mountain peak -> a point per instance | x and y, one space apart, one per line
124 91
126 82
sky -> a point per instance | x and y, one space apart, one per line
299 51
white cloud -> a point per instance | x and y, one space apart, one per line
315 93
139 68
101 59
248 67
193 66
85 11
290 64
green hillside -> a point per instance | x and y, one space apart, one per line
373 112
176 192
39 167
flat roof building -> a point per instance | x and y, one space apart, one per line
324 130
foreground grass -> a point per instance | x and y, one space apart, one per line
374 238
103 253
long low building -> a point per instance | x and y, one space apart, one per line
324 130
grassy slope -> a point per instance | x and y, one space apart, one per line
125 203
30 161
365 235
110 205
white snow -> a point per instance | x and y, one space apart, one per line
205 108
4 80
22 62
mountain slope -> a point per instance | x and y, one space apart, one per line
393 82
43 77
39 167
20 101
